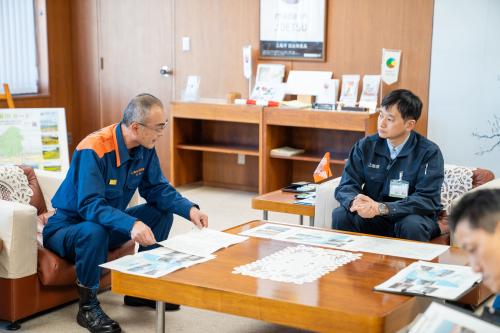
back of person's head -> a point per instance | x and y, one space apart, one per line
480 208
408 104
138 108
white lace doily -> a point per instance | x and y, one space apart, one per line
297 264
14 185
457 181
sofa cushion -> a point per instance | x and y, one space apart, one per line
56 271
14 185
37 199
41 221
459 180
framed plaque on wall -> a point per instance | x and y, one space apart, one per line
292 29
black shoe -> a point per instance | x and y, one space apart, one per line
91 316
136 301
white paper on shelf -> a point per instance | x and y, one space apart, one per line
155 263
432 279
202 242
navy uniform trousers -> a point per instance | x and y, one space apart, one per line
414 227
87 243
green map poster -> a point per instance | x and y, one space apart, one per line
34 137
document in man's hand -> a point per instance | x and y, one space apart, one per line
202 242
432 279
439 318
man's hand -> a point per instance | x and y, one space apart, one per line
198 218
142 234
365 206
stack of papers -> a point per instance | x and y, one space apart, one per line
202 242
432 279
286 151
178 252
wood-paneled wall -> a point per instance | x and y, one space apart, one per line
357 30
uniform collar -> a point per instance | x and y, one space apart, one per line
122 153
382 147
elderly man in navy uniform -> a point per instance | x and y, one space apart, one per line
91 204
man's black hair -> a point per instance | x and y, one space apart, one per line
480 208
408 104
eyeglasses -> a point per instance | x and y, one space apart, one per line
157 128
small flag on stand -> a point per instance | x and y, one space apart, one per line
323 171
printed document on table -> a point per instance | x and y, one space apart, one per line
439 318
268 230
432 279
155 263
319 237
398 248
202 242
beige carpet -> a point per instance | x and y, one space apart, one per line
225 208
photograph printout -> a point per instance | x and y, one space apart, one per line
432 279
385 246
155 263
439 318
36 137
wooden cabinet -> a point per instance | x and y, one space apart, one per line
230 145
216 143
317 132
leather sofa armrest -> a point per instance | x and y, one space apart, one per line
18 232
325 203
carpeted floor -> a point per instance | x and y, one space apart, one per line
225 208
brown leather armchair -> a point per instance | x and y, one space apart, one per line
32 278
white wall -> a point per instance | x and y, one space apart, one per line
464 95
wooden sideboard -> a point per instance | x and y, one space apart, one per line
230 145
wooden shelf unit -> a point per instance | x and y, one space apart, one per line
317 132
206 139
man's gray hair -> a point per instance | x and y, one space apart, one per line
138 108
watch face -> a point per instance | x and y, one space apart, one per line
382 208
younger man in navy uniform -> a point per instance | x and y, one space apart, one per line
392 180
91 204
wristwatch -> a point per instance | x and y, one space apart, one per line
383 209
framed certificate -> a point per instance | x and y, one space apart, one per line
292 29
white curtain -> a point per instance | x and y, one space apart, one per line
18 56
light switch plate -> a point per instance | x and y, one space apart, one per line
186 44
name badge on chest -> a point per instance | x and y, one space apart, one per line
398 187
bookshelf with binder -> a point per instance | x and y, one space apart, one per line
208 140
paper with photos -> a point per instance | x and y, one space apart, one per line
202 242
440 318
154 263
350 242
432 279
297 264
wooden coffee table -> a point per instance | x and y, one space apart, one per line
341 301
282 202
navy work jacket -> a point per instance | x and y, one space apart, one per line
102 179
370 169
